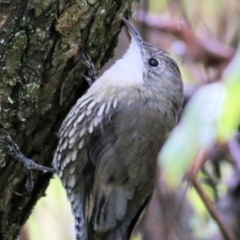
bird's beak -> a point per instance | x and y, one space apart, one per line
133 32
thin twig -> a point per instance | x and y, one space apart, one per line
198 164
227 234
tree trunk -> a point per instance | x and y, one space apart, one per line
40 79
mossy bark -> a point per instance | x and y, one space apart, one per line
40 79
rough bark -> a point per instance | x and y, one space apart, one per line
40 80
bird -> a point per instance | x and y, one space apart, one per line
108 144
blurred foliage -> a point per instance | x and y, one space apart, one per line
230 117
196 132
51 217
211 116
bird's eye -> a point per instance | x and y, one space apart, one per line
153 62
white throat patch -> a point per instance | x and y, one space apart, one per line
128 70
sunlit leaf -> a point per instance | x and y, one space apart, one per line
230 117
136 237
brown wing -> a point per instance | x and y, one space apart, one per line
71 159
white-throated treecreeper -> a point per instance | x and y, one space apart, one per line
109 142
